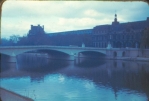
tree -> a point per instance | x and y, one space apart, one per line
4 42
14 39
23 41
145 38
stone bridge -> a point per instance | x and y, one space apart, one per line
70 50
73 51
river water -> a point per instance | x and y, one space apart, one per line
85 79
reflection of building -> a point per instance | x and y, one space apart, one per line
36 30
119 34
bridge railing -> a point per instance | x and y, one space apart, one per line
47 46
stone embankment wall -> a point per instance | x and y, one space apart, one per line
6 95
128 54
137 53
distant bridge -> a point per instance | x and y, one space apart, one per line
73 51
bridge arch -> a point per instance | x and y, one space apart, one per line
50 53
86 51
93 54
3 57
43 50
13 51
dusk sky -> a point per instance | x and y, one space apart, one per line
57 16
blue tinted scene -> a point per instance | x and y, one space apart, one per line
74 51
88 79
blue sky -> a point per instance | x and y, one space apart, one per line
57 16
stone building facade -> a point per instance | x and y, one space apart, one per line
36 30
84 31
116 34
119 35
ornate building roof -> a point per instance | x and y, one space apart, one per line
116 26
36 30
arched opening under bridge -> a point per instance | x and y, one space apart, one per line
91 54
114 54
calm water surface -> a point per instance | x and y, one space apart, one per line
45 79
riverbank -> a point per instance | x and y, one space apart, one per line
143 59
6 95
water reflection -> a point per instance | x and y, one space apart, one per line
39 63
89 62
84 79
3 64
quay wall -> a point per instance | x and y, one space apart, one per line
128 54
7 95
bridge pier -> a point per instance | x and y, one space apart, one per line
77 61
71 57
79 55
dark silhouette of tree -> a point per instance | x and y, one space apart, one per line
14 39
46 39
5 42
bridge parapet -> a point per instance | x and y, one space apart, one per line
66 49
47 46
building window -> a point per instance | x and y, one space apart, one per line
110 36
94 44
105 44
127 36
114 54
99 44
115 36
123 54
102 45
98 37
